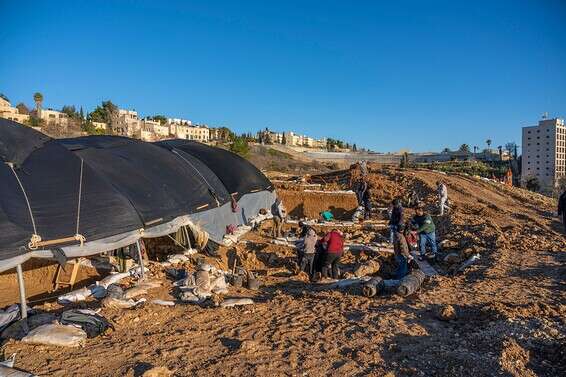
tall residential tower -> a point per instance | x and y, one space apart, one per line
544 149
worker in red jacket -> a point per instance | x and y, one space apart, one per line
333 249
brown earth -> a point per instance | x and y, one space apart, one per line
506 316
309 204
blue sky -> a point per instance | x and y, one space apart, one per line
387 75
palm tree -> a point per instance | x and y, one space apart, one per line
488 142
38 99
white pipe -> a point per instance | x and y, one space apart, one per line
23 303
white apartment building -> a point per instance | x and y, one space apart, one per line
198 133
544 149
11 113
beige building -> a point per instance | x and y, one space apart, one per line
544 149
12 113
53 118
100 125
128 124
197 133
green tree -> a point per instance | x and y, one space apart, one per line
488 142
284 139
240 146
464 148
38 99
162 119
511 148
446 150
105 113
532 184
4 97
22 108
354 148
71 112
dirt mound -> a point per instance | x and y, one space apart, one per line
504 315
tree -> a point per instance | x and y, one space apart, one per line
22 108
465 148
81 113
71 112
107 113
354 148
488 142
240 146
511 148
500 148
532 184
284 139
446 150
3 96
162 119
38 99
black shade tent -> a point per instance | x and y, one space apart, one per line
92 194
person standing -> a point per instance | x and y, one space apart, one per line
426 229
309 251
442 196
279 213
360 189
396 218
333 248
562 209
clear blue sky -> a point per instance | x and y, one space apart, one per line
387 75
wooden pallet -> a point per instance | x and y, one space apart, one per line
58 282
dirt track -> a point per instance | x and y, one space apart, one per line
511 309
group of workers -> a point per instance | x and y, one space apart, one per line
320 257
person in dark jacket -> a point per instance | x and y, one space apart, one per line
402 254
423 224
396 219
366 200
333 248
562 209
360 188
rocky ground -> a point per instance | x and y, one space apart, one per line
503 316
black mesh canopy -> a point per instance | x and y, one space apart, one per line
238 175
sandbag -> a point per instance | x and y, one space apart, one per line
82 294
163 302
410 283
140 289
56 335
373 287
9 315
118 303
231 302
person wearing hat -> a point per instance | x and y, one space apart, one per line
402 255
423 224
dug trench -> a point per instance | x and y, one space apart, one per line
504 315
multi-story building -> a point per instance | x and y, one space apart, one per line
172 123
198 133
100 125
544 149
127 124
53 117
12 113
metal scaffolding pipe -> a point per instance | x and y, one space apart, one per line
140 259
22 287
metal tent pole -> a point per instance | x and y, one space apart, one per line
186 231
140 257
21 286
